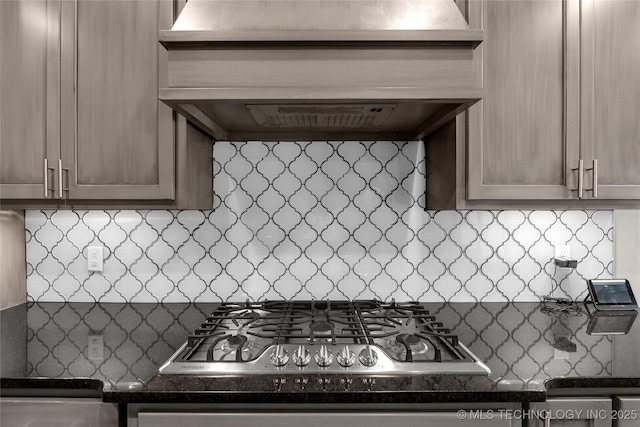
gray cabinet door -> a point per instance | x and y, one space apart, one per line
627 412
117 138
57 412
345 419
611 96
572 412
525 132
29 97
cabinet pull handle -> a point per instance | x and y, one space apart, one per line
580 170
594 179
46 178
60 180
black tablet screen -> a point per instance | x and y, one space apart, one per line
612 293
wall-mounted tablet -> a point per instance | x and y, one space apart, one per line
611 294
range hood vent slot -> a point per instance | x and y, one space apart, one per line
321 116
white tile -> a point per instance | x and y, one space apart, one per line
128 286
319 287
335 168
269 201
95 219
351 286
97 286
254 151
37 285
447 252
287 184
318 185
367 269
112 236
144 269
192 286
160 253
287 286
48 235
270 167
463 269
128 253
414 286
286 152
208 269
319 151
207 235
447 286
558 233
175 235
33 220
128 220
50 268
314 220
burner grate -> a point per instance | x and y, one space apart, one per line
406 334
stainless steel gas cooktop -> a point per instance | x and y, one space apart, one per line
293 337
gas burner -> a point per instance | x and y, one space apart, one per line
321 327
230 345
416 345
407 339
320 306
244 318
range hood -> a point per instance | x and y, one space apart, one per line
320 69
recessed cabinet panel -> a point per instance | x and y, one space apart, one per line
117 106
572 412
24 43
616 101
523 102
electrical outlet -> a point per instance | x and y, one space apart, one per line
560 354
562 251
96 347
95 258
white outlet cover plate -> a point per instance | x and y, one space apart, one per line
95 258
559 354
96 347
562 251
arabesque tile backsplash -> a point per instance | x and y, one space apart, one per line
316 220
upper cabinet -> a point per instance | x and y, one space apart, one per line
80 118
559 124
611 97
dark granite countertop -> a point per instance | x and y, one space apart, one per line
532 349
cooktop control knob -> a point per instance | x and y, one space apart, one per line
324 357
346 357
301 356
279 356
368 357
